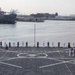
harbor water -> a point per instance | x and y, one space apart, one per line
48 31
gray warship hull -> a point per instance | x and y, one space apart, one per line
8 19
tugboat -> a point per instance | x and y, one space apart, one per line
7 18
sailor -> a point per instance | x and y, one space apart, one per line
43 43
64 44
22 44
52 44
13 44
6 47
74 52
71 52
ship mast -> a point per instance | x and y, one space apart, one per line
0 9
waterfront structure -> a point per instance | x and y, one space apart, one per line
40 17
45 16
29 18
70 18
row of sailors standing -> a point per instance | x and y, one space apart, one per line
72 52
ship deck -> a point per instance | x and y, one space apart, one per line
36 61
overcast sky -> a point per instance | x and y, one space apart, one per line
63 7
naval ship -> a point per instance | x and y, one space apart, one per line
7 17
